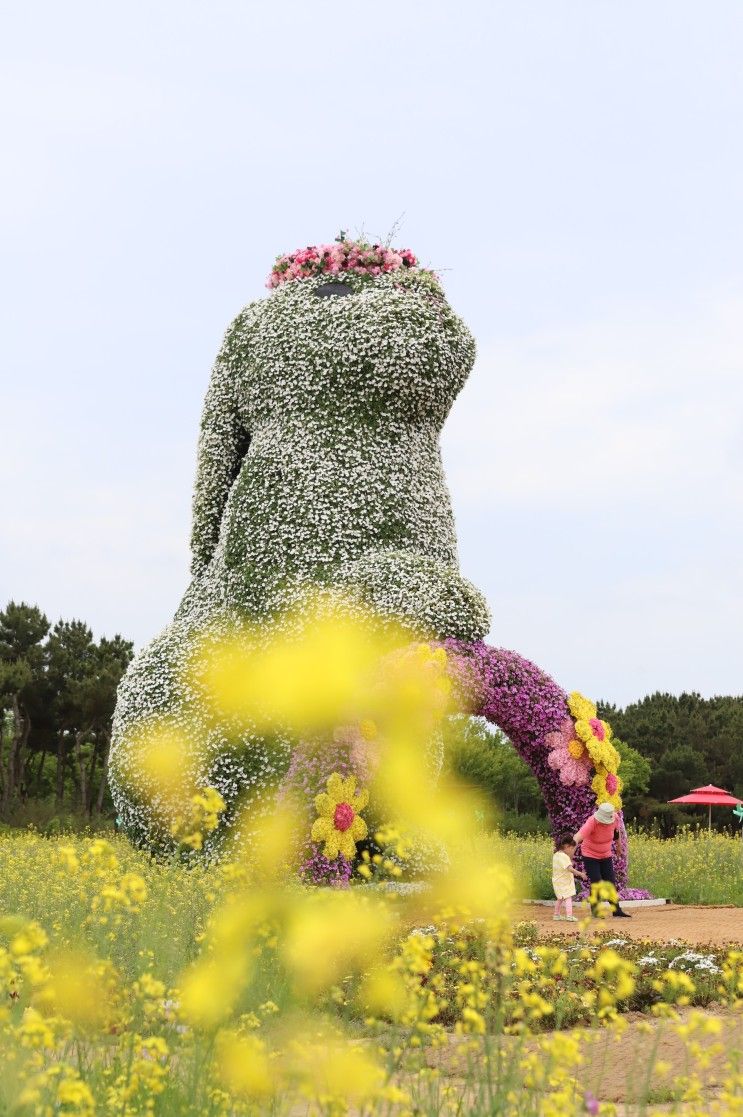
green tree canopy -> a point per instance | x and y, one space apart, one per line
689 741
57 696
23 629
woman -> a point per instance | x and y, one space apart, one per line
595 838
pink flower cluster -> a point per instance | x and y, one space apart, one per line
572 772
598 728
343 816
341 256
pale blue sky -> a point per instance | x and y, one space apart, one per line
577 168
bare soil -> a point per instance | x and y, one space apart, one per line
648 1060
705 926
621 1068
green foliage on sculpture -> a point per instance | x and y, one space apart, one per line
318 468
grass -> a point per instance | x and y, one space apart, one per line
695 867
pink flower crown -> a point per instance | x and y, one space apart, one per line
341 256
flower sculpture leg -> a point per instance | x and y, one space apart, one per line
547 728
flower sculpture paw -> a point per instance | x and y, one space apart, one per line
567 756
582 752
340 825
593 745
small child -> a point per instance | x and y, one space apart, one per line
563 876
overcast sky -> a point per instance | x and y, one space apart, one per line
573 167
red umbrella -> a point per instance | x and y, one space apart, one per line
709 795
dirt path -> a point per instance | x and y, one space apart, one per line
709 926
649 1059
621 1068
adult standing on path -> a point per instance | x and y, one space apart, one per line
595 839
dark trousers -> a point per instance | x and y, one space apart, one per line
600 868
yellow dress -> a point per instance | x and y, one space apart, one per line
563 880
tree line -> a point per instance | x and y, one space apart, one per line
57 697
58 692
688 741
668 745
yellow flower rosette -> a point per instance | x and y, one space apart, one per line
603 754
339 824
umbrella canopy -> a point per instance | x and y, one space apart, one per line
715 796
711 796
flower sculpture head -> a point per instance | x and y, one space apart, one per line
342 256
351 326
340 825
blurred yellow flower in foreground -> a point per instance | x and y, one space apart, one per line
330 934
472 889
35 1031
26 939
383 993
160 754
207 994
334 1071
266 848
306 673
81 989
200 816
244 1066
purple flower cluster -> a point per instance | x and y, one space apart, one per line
526 704
311 764
623 892
635 894
318 870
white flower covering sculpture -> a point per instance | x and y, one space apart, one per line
318 466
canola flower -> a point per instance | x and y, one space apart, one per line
136 986
328 956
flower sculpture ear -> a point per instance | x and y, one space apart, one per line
223 443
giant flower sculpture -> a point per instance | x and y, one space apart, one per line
340 825
319 466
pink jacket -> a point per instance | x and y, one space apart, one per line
596 838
